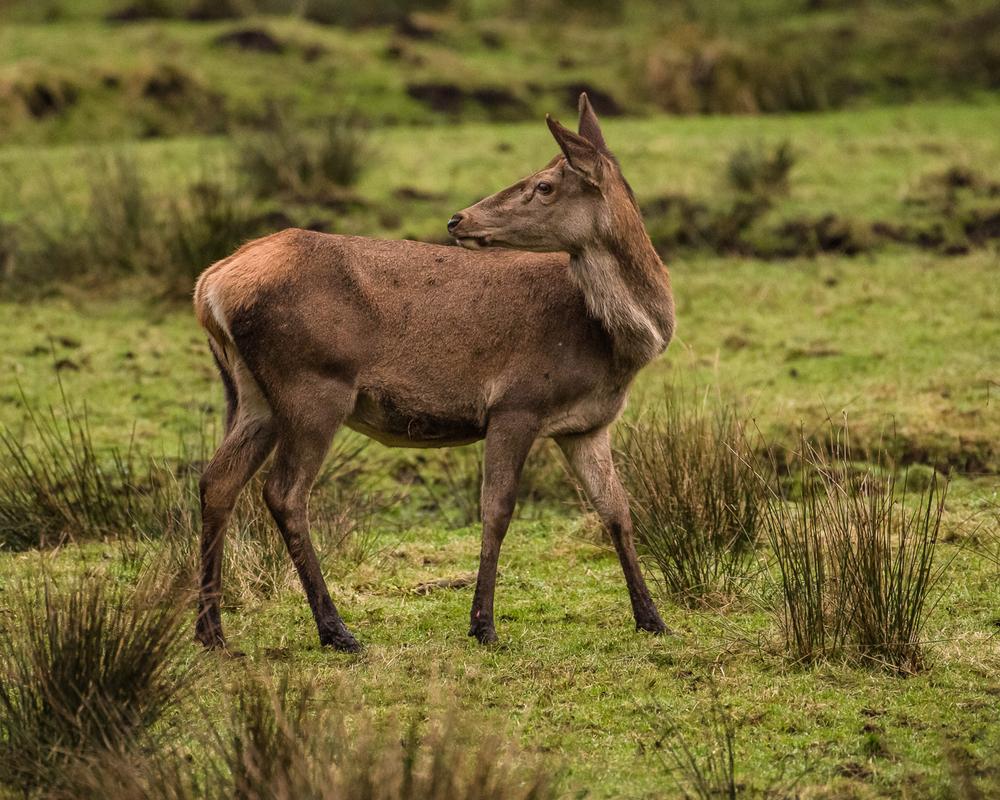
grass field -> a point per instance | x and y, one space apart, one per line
858 300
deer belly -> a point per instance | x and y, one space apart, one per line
394 423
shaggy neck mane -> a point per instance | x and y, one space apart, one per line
626 286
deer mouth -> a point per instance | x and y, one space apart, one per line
473 242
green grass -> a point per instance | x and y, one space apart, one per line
575 686
132 365
894 342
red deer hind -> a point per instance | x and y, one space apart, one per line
419 345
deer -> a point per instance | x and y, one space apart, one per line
534 326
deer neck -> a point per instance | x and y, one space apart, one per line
627 288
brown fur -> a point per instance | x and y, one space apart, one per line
428 346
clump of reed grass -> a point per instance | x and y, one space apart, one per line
58 486
209 223
348 524
855 559
291 160
695 497
61 488
282 744
759 171
85 671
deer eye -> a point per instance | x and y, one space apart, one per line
544 188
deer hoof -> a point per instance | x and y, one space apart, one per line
211 639
485 634
341 640
656 627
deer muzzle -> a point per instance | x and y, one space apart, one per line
464 237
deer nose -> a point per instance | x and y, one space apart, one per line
453 222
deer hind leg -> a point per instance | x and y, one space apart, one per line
589 456
508 441
249 439
304 438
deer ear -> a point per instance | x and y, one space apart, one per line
589 127
582 157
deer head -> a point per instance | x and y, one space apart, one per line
564 207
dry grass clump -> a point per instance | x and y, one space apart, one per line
698 74
283 745
280 743
84 671
61 489
760 172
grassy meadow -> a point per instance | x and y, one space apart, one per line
820 445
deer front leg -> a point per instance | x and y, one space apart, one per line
508 440
589 456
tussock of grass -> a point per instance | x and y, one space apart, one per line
84 671
695 497
759 172
282 745
62 490
855 557
292 161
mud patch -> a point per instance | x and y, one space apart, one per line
982 227
443 97
492 40
828 234
172 86
168 84
174 100
255 40
942 452
410 29
604 104
929 238
140 12
409 194
502 104
449 98
48 98
676 221
215 10
744 228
